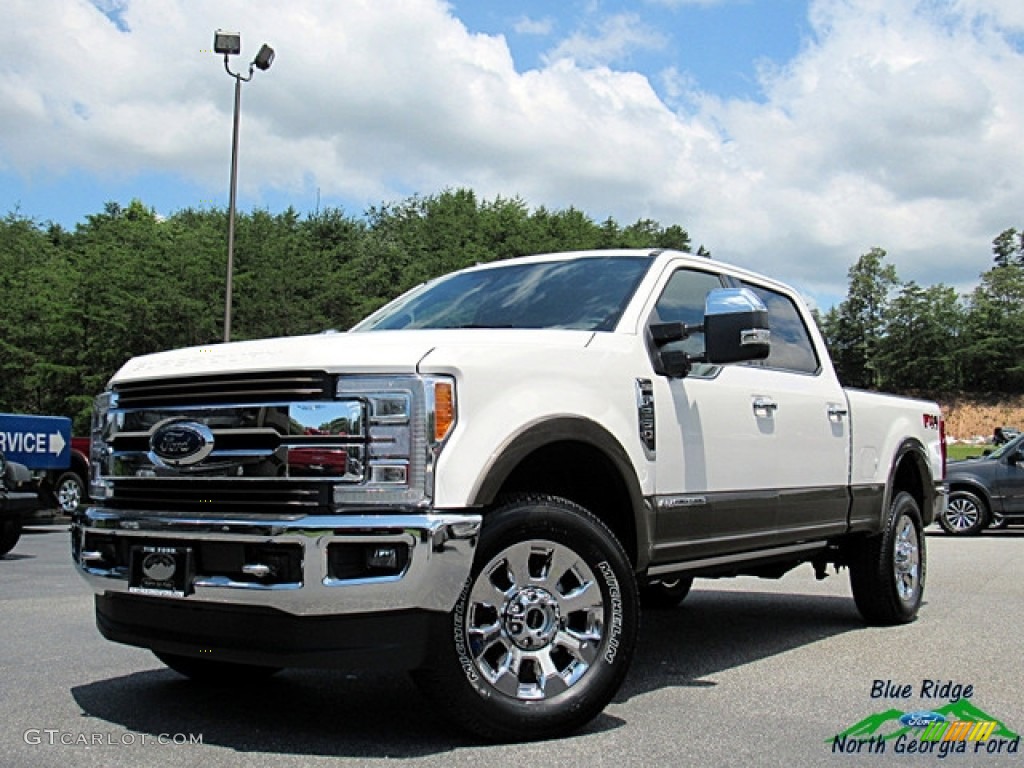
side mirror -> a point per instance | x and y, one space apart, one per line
735 326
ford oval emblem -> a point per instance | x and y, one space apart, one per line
181 443
921 718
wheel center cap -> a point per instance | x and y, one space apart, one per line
532 618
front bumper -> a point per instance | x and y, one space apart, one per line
314 562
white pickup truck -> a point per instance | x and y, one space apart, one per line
483 481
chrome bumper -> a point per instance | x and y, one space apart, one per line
439 548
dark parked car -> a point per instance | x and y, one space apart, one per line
987 491
18 498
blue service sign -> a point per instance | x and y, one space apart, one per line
38 442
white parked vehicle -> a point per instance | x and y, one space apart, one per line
480 482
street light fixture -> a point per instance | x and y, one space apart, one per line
230 44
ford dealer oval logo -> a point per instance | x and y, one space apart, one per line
921 719
181 443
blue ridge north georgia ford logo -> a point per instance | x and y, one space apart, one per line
181 443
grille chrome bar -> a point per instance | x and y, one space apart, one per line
235 388
255 496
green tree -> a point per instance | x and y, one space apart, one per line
1008 248
856 327
994 327
920 347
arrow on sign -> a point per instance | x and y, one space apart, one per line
56 443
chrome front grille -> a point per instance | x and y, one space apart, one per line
279 443
325 439
234 388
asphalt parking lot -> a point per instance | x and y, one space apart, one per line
745 673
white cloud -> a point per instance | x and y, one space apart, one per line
614 38
895 125
894 128
538 27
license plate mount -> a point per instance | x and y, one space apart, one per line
161 571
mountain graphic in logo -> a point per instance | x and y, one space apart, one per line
886 725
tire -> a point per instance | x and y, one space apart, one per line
211 672
69 492
10 532
543 633
965 514
887 571
665 593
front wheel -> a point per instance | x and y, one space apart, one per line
69 492
887 570
965 514
544 630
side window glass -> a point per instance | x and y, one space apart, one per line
792 349
682 301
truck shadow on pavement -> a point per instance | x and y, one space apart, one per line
331 713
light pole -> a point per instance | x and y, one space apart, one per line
230 44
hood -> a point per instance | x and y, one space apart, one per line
367 353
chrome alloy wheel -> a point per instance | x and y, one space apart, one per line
534 620
907 559
69 494
962 513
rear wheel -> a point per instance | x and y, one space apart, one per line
887 571
213 672
965 514
543 633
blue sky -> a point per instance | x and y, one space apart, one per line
788 136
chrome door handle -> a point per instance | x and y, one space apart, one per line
765 404
837 412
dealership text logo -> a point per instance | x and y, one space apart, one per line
957 727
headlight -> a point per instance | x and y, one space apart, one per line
408 420
99 449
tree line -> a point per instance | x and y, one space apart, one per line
907 338
74 305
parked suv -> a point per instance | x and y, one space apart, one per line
987 491
18 498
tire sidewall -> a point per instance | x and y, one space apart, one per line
904 506
564 524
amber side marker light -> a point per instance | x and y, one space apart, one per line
444 409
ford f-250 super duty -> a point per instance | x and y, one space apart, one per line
483 480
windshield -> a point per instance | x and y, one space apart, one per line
588 293
1007 448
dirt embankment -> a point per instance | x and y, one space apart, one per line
969 417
